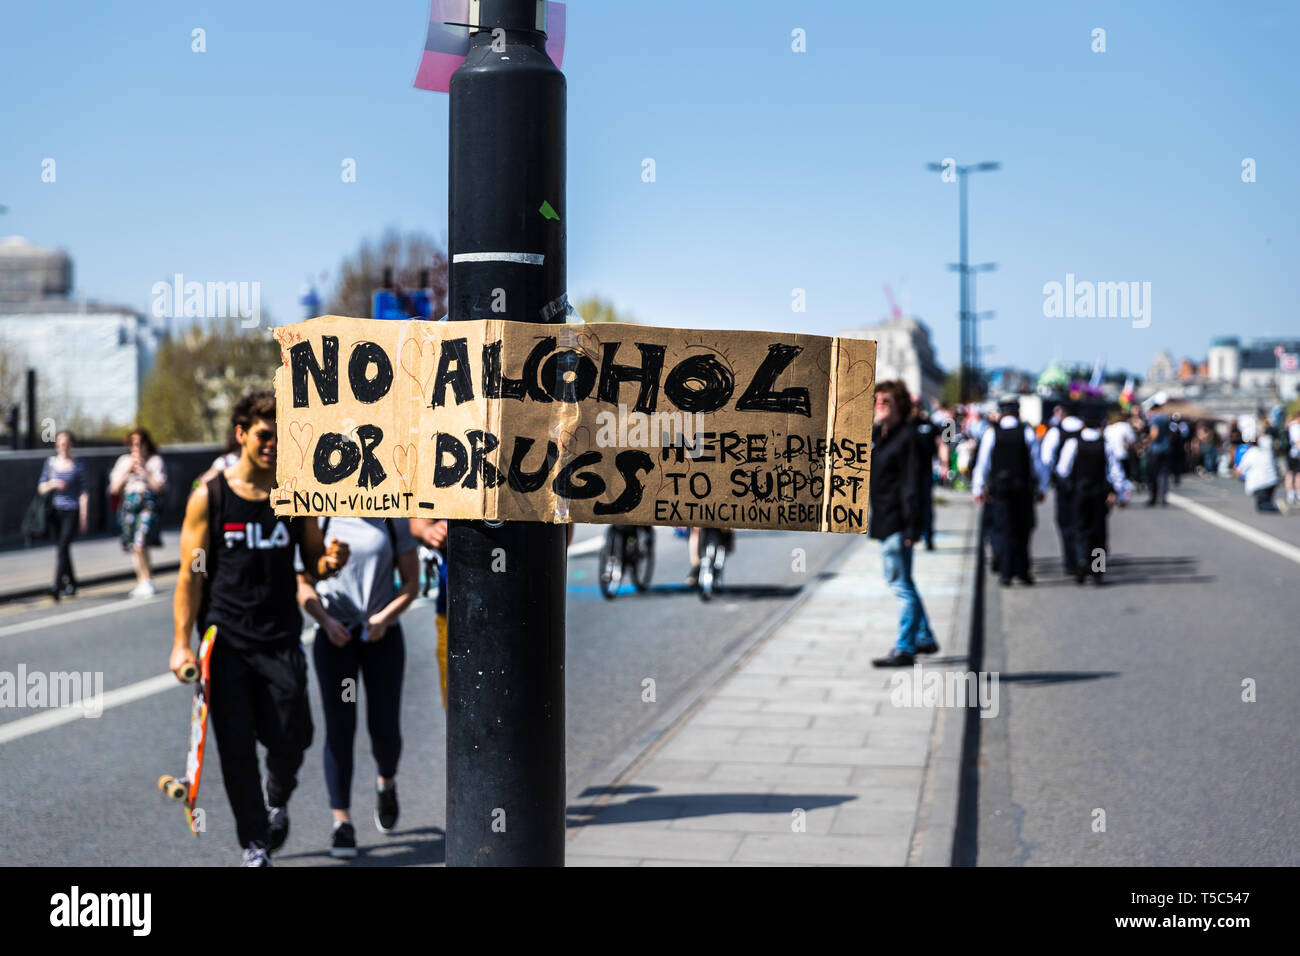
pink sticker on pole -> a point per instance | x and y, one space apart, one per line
447 42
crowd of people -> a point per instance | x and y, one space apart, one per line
1154 448
1090 457
135 485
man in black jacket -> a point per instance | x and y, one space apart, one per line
895 518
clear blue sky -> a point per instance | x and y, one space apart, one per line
775 169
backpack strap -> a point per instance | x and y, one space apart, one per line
392 537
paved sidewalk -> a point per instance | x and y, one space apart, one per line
798 756
28 572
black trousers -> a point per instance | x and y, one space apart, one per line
1090 531
381 665
65 528
1011 519
1159 467
1066 519
259 695
927 512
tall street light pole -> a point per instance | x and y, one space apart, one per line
969 361
505 623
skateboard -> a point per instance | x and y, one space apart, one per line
187 787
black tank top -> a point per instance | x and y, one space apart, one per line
252 591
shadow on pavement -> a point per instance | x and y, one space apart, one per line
732 591
1127 569
723 593
423 846
678 805
1043 678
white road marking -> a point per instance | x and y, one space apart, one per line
1253 535
54 717
590 546
84 614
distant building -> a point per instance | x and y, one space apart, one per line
1008 379
28 272
1225 360
91 359
1236 380
1162 367
904 351
1261 365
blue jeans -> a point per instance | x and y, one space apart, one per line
913 625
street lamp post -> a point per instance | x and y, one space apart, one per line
505 628
969 359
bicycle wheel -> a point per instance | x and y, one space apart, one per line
611 563
710 548
644 566
720 562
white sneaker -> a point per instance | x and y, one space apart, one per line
144 590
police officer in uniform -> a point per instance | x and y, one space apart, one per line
1092 475
1068 427
1009 475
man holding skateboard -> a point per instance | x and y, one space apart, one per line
237 573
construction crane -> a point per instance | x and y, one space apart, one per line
894 311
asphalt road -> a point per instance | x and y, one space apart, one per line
1124 706
83 793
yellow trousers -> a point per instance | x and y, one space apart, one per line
442 656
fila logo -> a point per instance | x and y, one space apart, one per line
251 535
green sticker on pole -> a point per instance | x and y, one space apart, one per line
548 211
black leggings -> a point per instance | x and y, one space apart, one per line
65 527
381 665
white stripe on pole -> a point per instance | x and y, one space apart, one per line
527 258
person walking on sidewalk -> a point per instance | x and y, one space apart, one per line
895 518
1009 473
65 476
1087 467
1066 427
245 585
358 634
139 477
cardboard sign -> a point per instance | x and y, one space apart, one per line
605 423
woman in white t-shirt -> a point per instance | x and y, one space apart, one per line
358 637
1259 469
